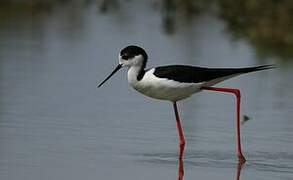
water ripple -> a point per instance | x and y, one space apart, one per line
260 161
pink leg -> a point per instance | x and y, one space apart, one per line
238 95
181 143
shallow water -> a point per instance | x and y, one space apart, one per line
55 123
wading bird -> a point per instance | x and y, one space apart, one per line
176 82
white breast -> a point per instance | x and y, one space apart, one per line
161 88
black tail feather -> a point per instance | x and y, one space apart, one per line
263 67
193 74
257 68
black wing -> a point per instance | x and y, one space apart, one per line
192 74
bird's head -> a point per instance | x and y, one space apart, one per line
128 57
133 56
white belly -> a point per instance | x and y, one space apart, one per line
164 89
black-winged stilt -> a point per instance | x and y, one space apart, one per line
177 82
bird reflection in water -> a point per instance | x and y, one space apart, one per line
239 168
181 167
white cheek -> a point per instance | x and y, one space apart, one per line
122 61
136 60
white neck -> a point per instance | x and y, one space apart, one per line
132 74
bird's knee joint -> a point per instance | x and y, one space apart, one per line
237 93
182 143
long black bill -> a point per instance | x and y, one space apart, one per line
115 70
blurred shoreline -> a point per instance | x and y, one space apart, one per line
267 25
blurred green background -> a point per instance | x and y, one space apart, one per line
266 24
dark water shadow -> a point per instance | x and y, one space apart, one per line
199 160
260 161
272 162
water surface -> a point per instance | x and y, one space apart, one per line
55 123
